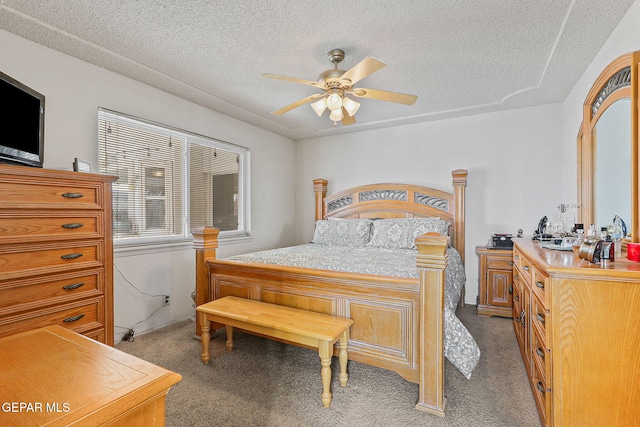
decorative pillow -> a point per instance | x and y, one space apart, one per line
421 226
391 233
351 232
401 233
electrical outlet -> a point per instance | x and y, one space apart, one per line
165 300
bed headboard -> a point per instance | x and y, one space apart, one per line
397 201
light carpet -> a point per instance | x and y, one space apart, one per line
267 383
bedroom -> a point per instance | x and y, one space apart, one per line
519 170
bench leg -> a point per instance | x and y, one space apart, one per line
205 338
229 337
343 356
324 350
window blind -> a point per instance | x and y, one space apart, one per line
169 181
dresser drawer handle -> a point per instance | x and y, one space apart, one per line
72 225
73 286
541 387
539 352
540 317
525 268
511 263
517 298
510 289
523 316
72 195
540 284
71 256
73 318
516 257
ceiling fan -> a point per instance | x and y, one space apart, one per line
336 84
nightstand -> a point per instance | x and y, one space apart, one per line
495 279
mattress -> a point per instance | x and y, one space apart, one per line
460 347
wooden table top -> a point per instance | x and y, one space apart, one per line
56 377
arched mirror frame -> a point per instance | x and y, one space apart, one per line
618 80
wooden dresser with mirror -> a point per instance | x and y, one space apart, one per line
578 324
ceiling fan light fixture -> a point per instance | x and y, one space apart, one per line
319 106
336 115
334 101
350 105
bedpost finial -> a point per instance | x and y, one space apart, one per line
320 185
459 177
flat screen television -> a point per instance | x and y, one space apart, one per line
21 123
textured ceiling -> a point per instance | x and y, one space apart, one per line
460 57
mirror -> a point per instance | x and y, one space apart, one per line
608 148
612 143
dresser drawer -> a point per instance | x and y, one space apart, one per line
35 293
27 227
539 316
24 260
80 317
541 394
48 194
541 355
540 284
523 265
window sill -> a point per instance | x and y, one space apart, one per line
159 247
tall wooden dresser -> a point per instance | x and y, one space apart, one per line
56 251
578 328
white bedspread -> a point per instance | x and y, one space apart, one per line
459 346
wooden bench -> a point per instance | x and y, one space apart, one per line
296 326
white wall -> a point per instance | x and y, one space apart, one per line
74 90
522 163
513 158
624 39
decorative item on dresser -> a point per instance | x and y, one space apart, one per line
56 251
495 282
577 326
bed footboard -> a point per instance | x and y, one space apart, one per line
413 346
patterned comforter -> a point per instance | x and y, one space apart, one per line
459 346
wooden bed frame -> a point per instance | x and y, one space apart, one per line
398 323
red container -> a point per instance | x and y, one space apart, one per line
633 251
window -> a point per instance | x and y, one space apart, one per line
171 181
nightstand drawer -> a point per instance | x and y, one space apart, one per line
499 262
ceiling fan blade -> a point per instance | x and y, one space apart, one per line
298 103
361 70
384 95
347 119
295 80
